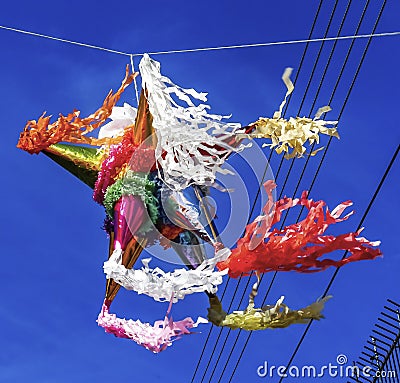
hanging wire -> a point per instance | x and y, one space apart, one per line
316 40
134 80
207 49
65 40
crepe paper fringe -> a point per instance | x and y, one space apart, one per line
299 246
39 135
161 285
111 167
295 132
277 316
122 156
191 144
137 184
155 338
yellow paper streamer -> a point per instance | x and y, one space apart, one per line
292 133
277 316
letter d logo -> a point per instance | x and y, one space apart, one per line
262 370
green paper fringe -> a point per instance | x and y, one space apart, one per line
137 184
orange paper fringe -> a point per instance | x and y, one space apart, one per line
39 135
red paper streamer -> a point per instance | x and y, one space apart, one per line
299 246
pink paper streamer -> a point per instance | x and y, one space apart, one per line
155 337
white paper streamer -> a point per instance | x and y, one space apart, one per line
121 116
187 136
162 285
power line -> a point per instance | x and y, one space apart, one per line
207 49
223 293
345 102
396 152
346 99
281 162
226 285
308 85
331 99
298 113
332 94
253 206
348 94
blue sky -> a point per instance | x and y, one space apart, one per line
53 247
